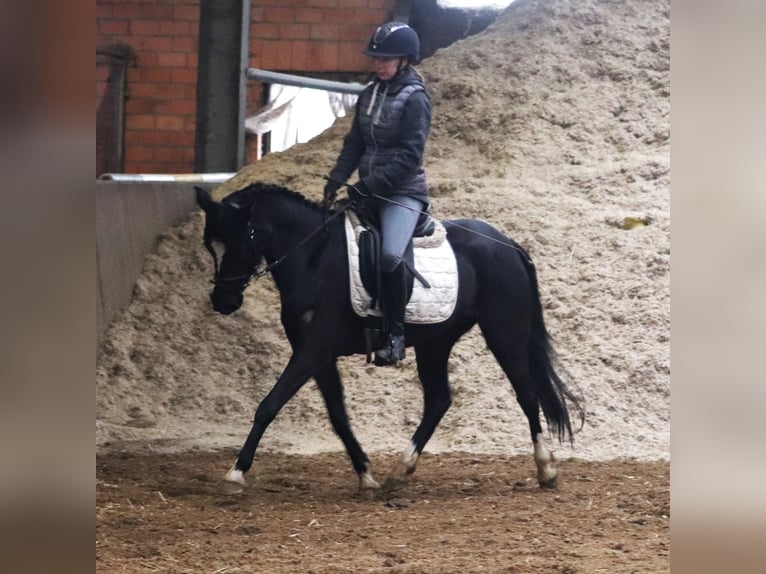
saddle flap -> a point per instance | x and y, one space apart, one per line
369 255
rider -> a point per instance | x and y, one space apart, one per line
386 143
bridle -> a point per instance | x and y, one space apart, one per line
238 283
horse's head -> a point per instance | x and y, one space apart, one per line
229 239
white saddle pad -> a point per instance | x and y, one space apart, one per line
434 259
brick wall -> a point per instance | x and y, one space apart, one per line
313 36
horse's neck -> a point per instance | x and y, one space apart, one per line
286 225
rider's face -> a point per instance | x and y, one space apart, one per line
386 68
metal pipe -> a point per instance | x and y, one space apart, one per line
303 81
244 60
160 177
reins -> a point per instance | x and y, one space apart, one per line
260 273
223 282
442 221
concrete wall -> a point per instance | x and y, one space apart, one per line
130 217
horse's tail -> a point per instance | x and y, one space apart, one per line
551 390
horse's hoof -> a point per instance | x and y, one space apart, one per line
366 482
234 482
231 488
393 483
549 484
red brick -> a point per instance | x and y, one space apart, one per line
335 16
170 123
183 76
182 28
132 137
152 137
160 92
179 107
144 11
385 6
303 56
140 167
140 105
267 31
186 44
144 59
273 55
359 33
145 28
113 27
182 138
137 89
173 157
153 75
328 57
172 59
371 18
154 44
309 15
350 59
190 125
190 13
294 31
326 32
325 3
138 154
279 15
142 122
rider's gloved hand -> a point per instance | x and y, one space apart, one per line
330 193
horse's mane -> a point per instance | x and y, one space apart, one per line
249 194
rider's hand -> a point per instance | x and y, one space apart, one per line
330 193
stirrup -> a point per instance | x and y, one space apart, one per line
392 353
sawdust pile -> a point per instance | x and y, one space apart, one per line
553 125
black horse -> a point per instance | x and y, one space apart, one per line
303 245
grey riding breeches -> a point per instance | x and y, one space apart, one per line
397 223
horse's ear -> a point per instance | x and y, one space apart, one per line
204 199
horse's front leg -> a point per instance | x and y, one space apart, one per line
294 376
331 388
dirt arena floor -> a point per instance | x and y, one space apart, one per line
554 126
461 512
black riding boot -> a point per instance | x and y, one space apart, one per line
394 295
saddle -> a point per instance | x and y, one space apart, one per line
431 283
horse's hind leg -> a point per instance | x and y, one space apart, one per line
432 370
512 355
331 388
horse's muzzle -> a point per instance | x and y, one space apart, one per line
225 303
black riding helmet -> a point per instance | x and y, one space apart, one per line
392 40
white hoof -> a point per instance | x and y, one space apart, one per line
234 481
545 461
367 482
235 475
